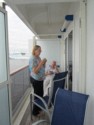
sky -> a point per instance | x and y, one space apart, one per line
19 34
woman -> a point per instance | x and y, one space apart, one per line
50 73
37 74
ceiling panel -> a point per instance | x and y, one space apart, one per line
44 16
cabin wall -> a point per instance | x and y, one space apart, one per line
90 62
62 56
50 50
75 10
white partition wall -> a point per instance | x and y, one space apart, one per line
50 50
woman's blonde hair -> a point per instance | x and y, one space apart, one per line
36 47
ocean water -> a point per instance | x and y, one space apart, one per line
19 56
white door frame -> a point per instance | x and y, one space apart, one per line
7 83
83 47
70 28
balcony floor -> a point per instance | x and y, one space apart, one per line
42 117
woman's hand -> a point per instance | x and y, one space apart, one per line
49 73
42 62
38 67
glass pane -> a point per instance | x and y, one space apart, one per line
4 106
3 71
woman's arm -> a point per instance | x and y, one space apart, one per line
47 73
38 67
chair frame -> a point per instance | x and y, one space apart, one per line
46 109
52 88
44 103
42 121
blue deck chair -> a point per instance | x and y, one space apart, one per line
43 103
58 82
69 108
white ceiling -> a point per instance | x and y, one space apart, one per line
42 16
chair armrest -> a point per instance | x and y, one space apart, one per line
46 106
59 79
39 122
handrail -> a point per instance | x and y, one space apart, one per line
18 70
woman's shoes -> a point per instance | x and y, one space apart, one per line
40 114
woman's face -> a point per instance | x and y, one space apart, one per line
53 64
37 52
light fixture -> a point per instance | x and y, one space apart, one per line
68 19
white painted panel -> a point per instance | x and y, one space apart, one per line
62 56
50 50
90 62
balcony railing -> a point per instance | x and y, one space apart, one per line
19 85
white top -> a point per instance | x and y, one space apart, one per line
50 69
